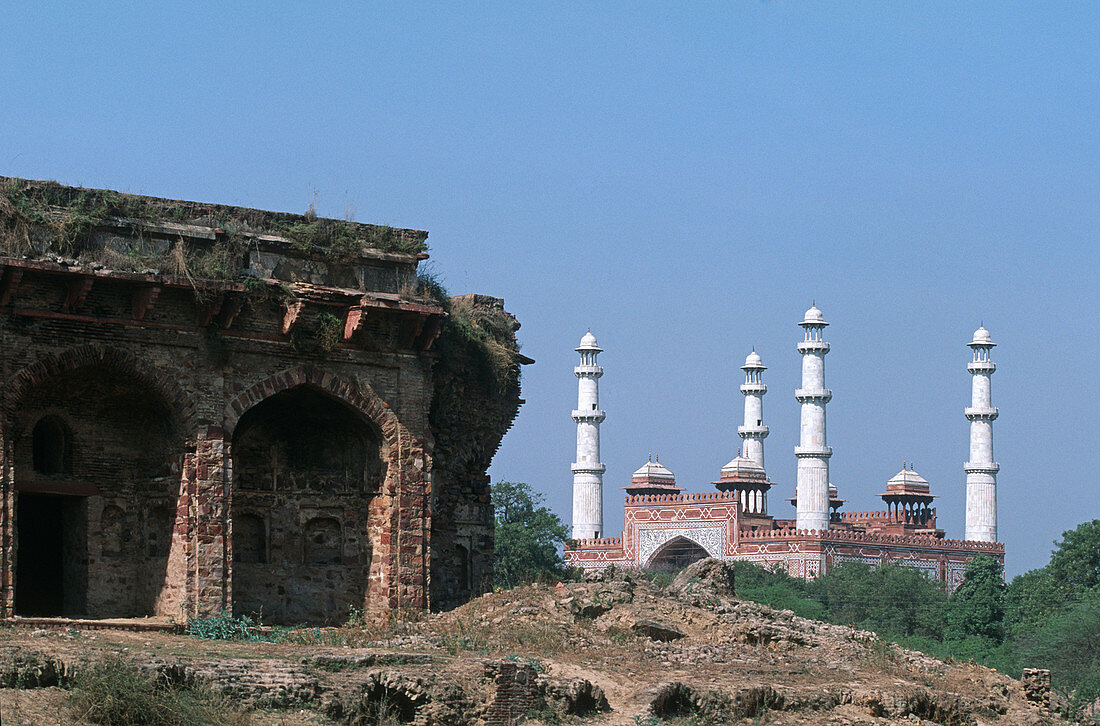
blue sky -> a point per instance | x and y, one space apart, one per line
684 180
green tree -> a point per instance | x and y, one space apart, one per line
528 536
1030 599
1075 564
775 588
1069 645
891 599
976 608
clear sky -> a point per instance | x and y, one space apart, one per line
683 178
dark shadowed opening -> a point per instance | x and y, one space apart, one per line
676 554
51 569
302 440
306 466
249 539
52 448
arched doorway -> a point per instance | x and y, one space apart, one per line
305 468
95 454
676 554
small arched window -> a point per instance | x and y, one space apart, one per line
51 445
249 539
324 542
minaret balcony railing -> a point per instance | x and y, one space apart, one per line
754 388
753 432
813 346
595 371
980 413
803 395
813 452
594 416
981 366
588 468
972 467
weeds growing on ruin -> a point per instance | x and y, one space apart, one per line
116 693
329 331
39 218
381 711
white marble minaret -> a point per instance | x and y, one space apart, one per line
754 431
813 454
981 470
587 470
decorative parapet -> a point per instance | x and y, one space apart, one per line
862 516
637 500
874 516
598 542
831 535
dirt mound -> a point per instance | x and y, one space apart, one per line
614 649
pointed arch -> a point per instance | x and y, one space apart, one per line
93 355
676 553
361 397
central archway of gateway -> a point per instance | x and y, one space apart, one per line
306 467
676 554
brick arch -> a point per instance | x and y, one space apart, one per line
360 397
87 356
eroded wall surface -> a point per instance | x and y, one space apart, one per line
262 443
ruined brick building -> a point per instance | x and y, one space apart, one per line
213 408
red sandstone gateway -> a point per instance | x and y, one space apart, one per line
666 528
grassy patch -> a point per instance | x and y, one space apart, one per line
115 693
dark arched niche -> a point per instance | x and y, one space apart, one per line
309 464
676 554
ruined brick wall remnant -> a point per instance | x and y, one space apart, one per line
476 399
270 436
1036 682
515 692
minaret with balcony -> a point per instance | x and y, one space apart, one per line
981 470
587 469
812 452
753 432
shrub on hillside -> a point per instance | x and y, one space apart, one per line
116 693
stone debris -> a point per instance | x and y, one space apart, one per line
709 577
524 656
657 631
572 696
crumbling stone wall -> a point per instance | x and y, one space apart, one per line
476 399
258 442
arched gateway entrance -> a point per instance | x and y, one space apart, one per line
676 554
